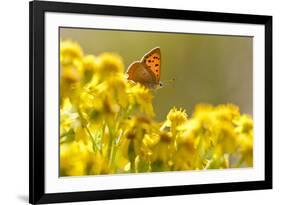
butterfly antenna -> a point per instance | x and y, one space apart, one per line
169 81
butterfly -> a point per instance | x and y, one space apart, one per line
147 71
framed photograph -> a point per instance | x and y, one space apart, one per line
141 102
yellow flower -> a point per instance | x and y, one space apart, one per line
78 159
227 112
136 131
206 116
106 99
141 97
215 133
209 123
162 152
90 67
115 87
245 139
246 148
137 127
69 51
72 73
90 63
244 124
191 127
150 140
109 64
176 117
186 157
73 158
98 165
225 138
72 67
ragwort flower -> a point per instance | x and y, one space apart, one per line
141 97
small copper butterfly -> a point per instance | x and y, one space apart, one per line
147 70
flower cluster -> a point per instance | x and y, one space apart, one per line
107 124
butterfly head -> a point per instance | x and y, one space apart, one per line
160 85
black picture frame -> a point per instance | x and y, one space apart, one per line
37 11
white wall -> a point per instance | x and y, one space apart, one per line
14 99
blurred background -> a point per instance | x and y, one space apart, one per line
211 69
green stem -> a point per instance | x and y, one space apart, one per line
84 125
110 146
95 147
112 154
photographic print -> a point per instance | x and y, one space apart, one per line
129 102
142 102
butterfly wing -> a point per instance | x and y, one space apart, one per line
139 74
152 62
